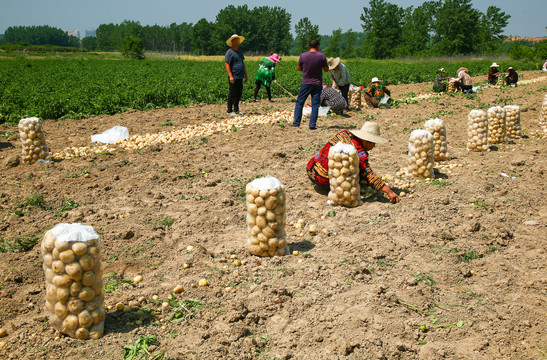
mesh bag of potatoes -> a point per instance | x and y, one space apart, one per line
74 282
477 131
354 97
496 125
33 139
512 119
543 114
437 128
344 176
266 217
421 154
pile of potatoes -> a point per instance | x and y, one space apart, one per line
74 283
135 142
477 131
496 125
421 154
354 98
33 139
344 176
266 217
512 118
437 128
451 86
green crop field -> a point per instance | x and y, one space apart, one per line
76 88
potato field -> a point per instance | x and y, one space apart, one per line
191 251
78 88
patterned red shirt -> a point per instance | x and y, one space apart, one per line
318 166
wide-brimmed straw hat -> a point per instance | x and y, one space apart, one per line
510 68
333 62
375 79
370 132
274 58
229 41
462 69
494 65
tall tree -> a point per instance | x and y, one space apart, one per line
417 29
492 24
456 28
202 38
382 22
335 43
305 31
349 44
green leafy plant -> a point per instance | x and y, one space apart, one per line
20 244
67 206
139 350
467 256
182 310
112 281
37 200
166 221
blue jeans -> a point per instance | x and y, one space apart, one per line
305 90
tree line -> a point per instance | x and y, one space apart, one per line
265 29
39 35
435 28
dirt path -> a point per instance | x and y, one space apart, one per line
465 256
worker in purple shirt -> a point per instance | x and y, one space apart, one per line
310 63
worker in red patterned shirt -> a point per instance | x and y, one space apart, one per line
363 140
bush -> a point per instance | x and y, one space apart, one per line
132 48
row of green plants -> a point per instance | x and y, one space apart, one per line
69 88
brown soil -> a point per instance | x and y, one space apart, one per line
457 258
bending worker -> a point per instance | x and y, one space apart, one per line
340 77
363 140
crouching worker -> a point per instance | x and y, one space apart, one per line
375 92
440 85
512 77
333 99
363 140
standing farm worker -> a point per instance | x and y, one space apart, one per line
375 92
493 74
235 67
439 84
266 74
512 77
340 77
333 99
464 82
363 140
311 63
544 66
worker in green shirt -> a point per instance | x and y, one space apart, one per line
266 74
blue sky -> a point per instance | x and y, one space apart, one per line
527 16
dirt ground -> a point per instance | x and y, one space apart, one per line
465 256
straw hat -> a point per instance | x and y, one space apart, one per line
494 65
370 132
274 58
375 79
510 68
462 69
441 70
229 41
333 62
